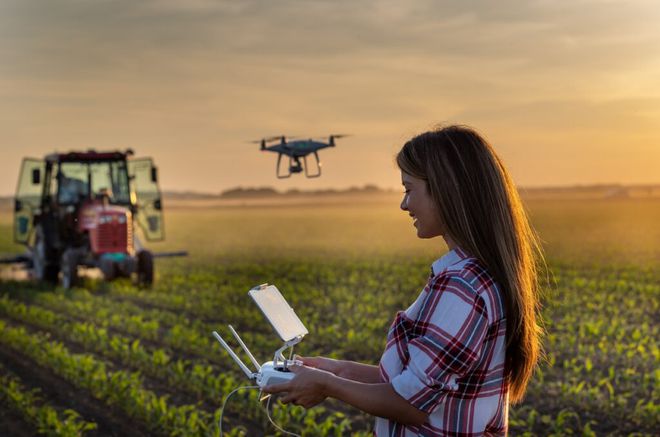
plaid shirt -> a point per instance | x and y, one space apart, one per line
445 354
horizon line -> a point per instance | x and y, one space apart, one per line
388 189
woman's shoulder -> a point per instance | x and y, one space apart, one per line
470 279
463 268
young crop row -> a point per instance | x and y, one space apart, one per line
198 378
104 306
46 419
117 388
124 317
191 340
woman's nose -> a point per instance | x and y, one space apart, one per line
404 203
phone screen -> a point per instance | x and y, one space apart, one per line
278 312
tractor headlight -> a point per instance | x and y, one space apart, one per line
105 219
121 219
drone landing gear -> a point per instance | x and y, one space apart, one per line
318 167
280 174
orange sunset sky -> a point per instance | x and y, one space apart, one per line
567 91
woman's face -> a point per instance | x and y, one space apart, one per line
418 203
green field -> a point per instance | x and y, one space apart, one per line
111 359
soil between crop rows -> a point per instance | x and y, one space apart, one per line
12 424
62 393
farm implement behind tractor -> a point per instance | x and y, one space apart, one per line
81 209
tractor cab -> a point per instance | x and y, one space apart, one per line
81 208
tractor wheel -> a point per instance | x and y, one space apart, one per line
43 267
109 269
69 266
145 268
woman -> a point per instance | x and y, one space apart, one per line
469 344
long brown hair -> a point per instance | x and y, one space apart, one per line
480 207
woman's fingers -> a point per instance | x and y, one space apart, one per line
276 388
292 399
309 361
287 398
322 363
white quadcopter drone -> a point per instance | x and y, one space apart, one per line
287 325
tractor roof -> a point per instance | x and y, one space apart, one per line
89 155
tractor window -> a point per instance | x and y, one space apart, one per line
28 198
149 205
52 184
110 178
72 182
120 185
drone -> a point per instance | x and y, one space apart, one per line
296 150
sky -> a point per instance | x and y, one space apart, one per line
568 92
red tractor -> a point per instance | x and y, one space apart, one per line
81 209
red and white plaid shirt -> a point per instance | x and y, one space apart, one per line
445 354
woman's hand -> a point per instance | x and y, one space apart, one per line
323 363
307 389
352 370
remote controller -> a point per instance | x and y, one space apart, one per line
270 374
286 324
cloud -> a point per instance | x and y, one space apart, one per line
209 72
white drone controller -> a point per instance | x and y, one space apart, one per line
270 375
287 325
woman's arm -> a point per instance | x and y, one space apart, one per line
346 369
311 386
378 399
360 372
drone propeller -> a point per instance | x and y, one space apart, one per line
331 137
281 138
274 138
325 137
263 141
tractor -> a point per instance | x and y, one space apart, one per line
82 208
